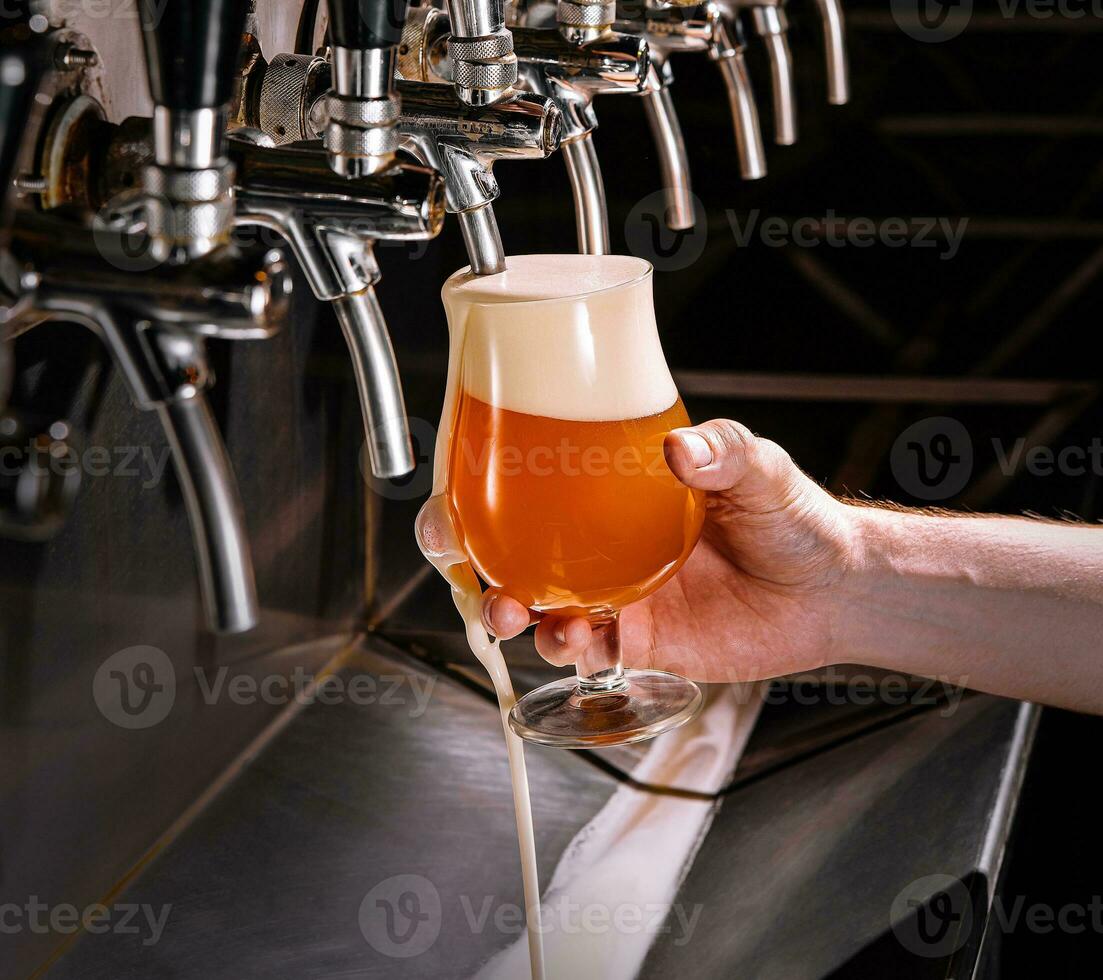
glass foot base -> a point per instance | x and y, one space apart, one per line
652 702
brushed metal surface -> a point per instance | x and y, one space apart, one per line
270 879
798 874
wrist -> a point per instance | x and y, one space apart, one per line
874 592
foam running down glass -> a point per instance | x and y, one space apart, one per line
557 483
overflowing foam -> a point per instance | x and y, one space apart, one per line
562 336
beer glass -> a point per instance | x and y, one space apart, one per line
557 485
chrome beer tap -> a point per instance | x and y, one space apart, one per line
703 27
155 324
462 141
583 23
571 75
772 25
459 130
332 228
155 274
331 224
834 43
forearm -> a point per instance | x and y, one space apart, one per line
1007 605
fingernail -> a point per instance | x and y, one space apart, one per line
488 608
699 450
561 634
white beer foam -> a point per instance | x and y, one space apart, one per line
563 336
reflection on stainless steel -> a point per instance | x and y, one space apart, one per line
855 825
155 327
386 429
447 792
462 142
331 224
480 47
700 28
588 189
666 131
772 27
568 73
218 524
726 49
362 107
834 41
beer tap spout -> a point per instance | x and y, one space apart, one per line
588 189
670 145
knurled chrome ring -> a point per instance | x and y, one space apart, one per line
585 14
190 222
492 75
356 141
211 184
282 112
496 45
361 112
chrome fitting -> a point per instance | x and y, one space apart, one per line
361 111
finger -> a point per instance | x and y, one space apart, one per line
562 641
721 454
504 616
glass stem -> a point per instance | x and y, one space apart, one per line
599 668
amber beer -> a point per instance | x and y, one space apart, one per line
560 401
582 517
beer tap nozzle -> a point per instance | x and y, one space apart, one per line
726 48
834 41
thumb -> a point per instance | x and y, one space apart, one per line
721 455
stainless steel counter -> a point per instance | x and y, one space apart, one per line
796 877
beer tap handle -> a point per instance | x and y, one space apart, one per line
484 67
591 216
192 49
726 49
772 26
670 146
362 108
834 39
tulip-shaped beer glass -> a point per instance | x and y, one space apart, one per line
557 484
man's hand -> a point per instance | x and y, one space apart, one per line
757 598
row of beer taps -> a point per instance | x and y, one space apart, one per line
395 119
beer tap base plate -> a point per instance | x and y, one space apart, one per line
648 703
